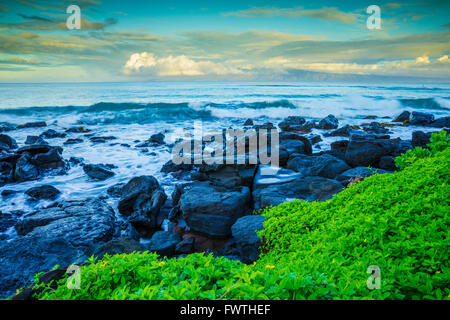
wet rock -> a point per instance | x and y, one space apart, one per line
59 235
6 173
344 131
8 192
248 123
402 117
325 165
420 118
141 201
329 122
45 192
245 237
212 210
7 143
6 127
115 191
314 138
24 257
35 140
273 186
420 139
171 167
366 149
292 123
340 145
164 243
25 170
376 128
73 141
37 124
232 175
294 143
78 130
102 139
76 161
186 246
443 122
50 160
98 171
157 138
52 134
387 163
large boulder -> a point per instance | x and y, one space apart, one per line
62 235
212 210
98 171
344 131
117 246
35 140
329 122
420 139
324 165
7 143
292 123
45 192
273 186
141 200
367 149
164 243
420 118
52 134
295 143
25 170
402 117
443 122
245 236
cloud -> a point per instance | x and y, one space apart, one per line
18 61
444 59
148 63
327 13
422 60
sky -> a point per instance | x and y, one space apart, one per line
223 40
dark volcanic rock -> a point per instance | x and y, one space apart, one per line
186 246
78 130
245 237
213 210
248 123
443 122
46 192
157 138
58 235
325 165
25 170
344 131
141 201
73 141
116 190
420 118
402 117
294 142
292 123
329 122
52 134
35 140
98 171
171 167
8 142
366 149
420 139
340 145
376 128
273 186
164 243
387 163
37 124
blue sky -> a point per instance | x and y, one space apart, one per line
221 40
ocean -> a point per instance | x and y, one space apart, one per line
134 111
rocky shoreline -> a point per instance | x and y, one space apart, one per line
210 211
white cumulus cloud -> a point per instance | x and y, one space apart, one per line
147 62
